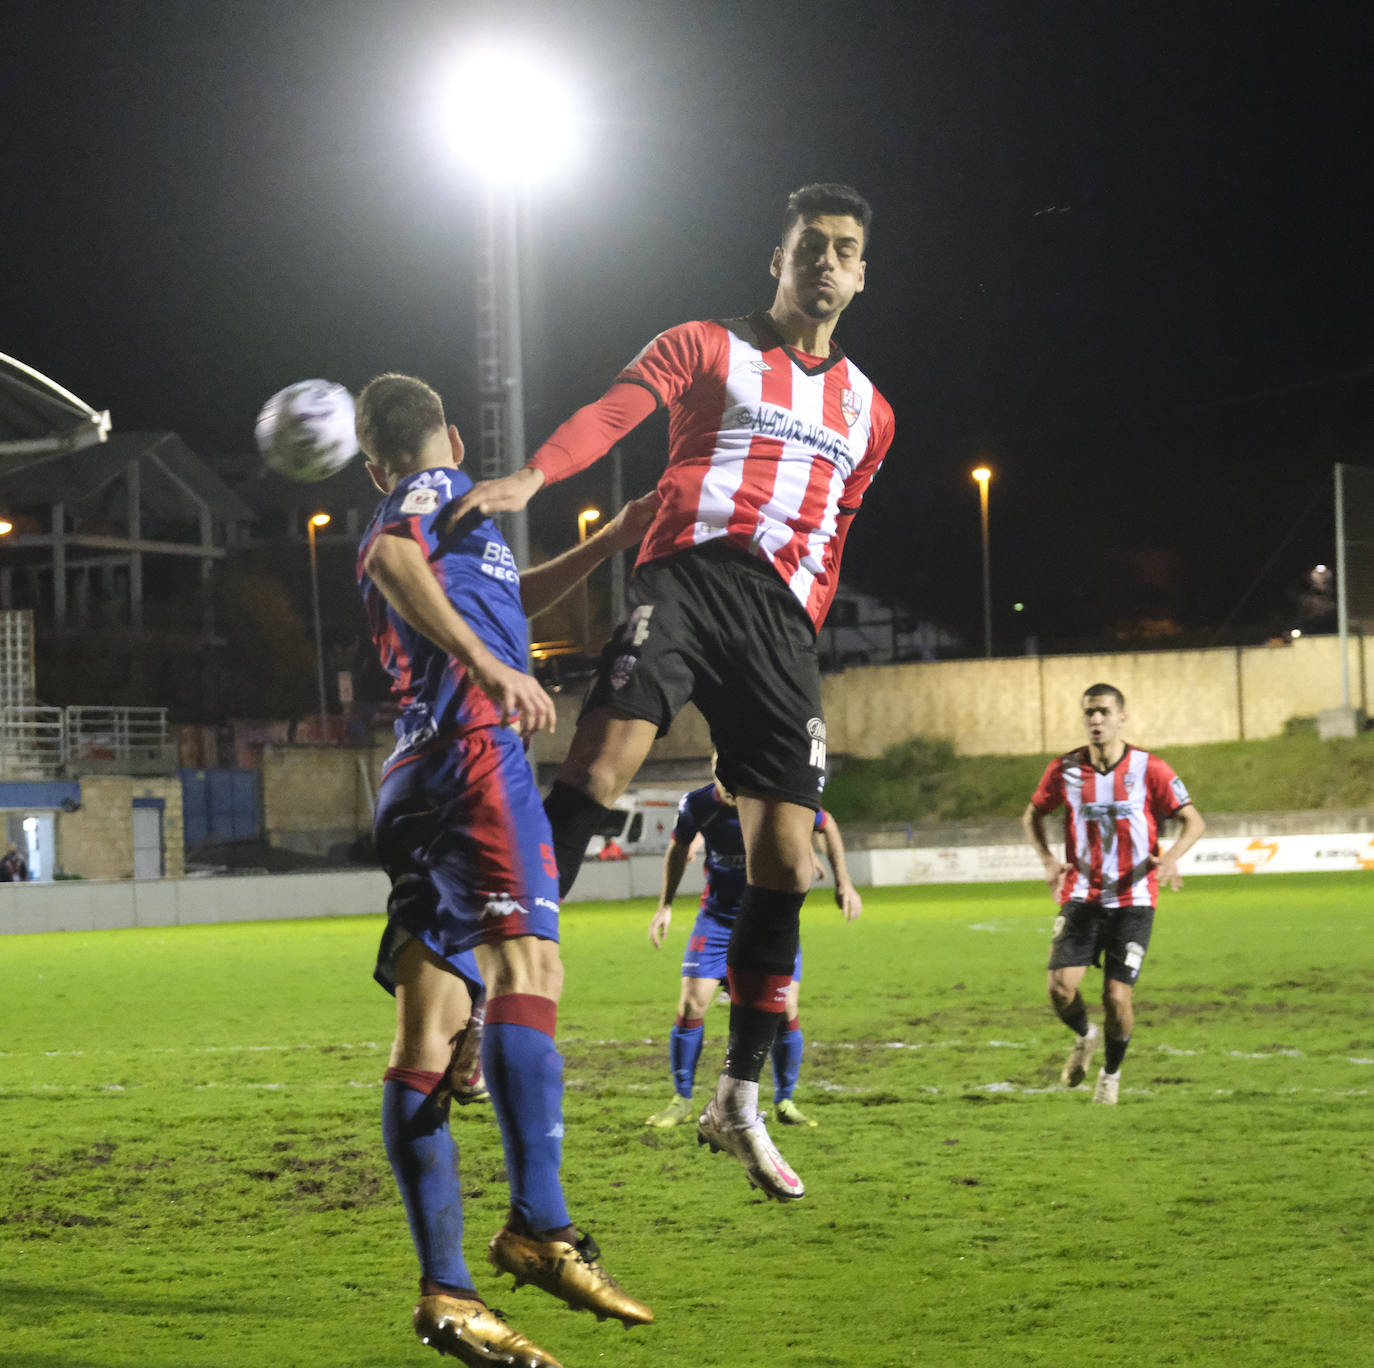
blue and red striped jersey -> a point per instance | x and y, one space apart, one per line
479 576
703 811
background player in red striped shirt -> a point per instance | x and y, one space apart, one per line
1115 796
774 437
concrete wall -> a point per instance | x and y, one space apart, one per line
315 797
97 906
1028 705
97 840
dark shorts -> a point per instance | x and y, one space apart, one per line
704 954
717 627
461 832
1083 934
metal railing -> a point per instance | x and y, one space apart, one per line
49 743
33 742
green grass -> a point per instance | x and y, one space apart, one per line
192 1177
923 780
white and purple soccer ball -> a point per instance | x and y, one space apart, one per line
305 432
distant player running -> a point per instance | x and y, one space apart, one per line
1115 795
774 437
711 813
474 895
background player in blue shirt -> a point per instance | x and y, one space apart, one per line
461 832
710 813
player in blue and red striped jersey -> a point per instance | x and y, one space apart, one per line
1115 796
473 909
711 813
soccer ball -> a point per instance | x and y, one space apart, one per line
306 432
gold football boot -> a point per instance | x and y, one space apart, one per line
475 1335
570 1272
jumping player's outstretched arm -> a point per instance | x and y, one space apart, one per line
397 566
576 444
542 586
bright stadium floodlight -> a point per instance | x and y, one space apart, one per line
511 114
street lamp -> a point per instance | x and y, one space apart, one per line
317 520
514 119
588 515
983 475
6 527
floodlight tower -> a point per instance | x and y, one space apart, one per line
514 120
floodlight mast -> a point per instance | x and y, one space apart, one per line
515 122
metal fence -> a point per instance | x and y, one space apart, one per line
50 743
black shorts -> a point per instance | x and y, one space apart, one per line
1083 932
716 626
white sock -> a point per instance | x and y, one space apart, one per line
737 1100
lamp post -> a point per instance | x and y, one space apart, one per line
983 476
512 117
588 515
317 520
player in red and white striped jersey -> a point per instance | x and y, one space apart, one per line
774 436
1115 796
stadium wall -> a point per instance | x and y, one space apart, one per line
1027 705
89 906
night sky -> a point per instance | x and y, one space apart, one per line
1120 252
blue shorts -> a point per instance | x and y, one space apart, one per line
460 830
704 956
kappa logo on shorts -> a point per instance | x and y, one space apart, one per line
815 729
500 905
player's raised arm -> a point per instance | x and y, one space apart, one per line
577 443
397 566
542 586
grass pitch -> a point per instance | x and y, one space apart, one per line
192 1175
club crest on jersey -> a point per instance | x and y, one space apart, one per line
420 500
851 406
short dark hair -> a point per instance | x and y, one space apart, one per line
1097 690
395 414
827 197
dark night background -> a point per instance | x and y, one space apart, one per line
1121 252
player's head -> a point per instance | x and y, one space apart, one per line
1104 713
401 429
819 264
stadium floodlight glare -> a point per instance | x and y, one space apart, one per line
982 475
6 527
511 114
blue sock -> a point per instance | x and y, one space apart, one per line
787 1058
684 1049
524 1074
424 1160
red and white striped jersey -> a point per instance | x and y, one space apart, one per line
767 447
1112 823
